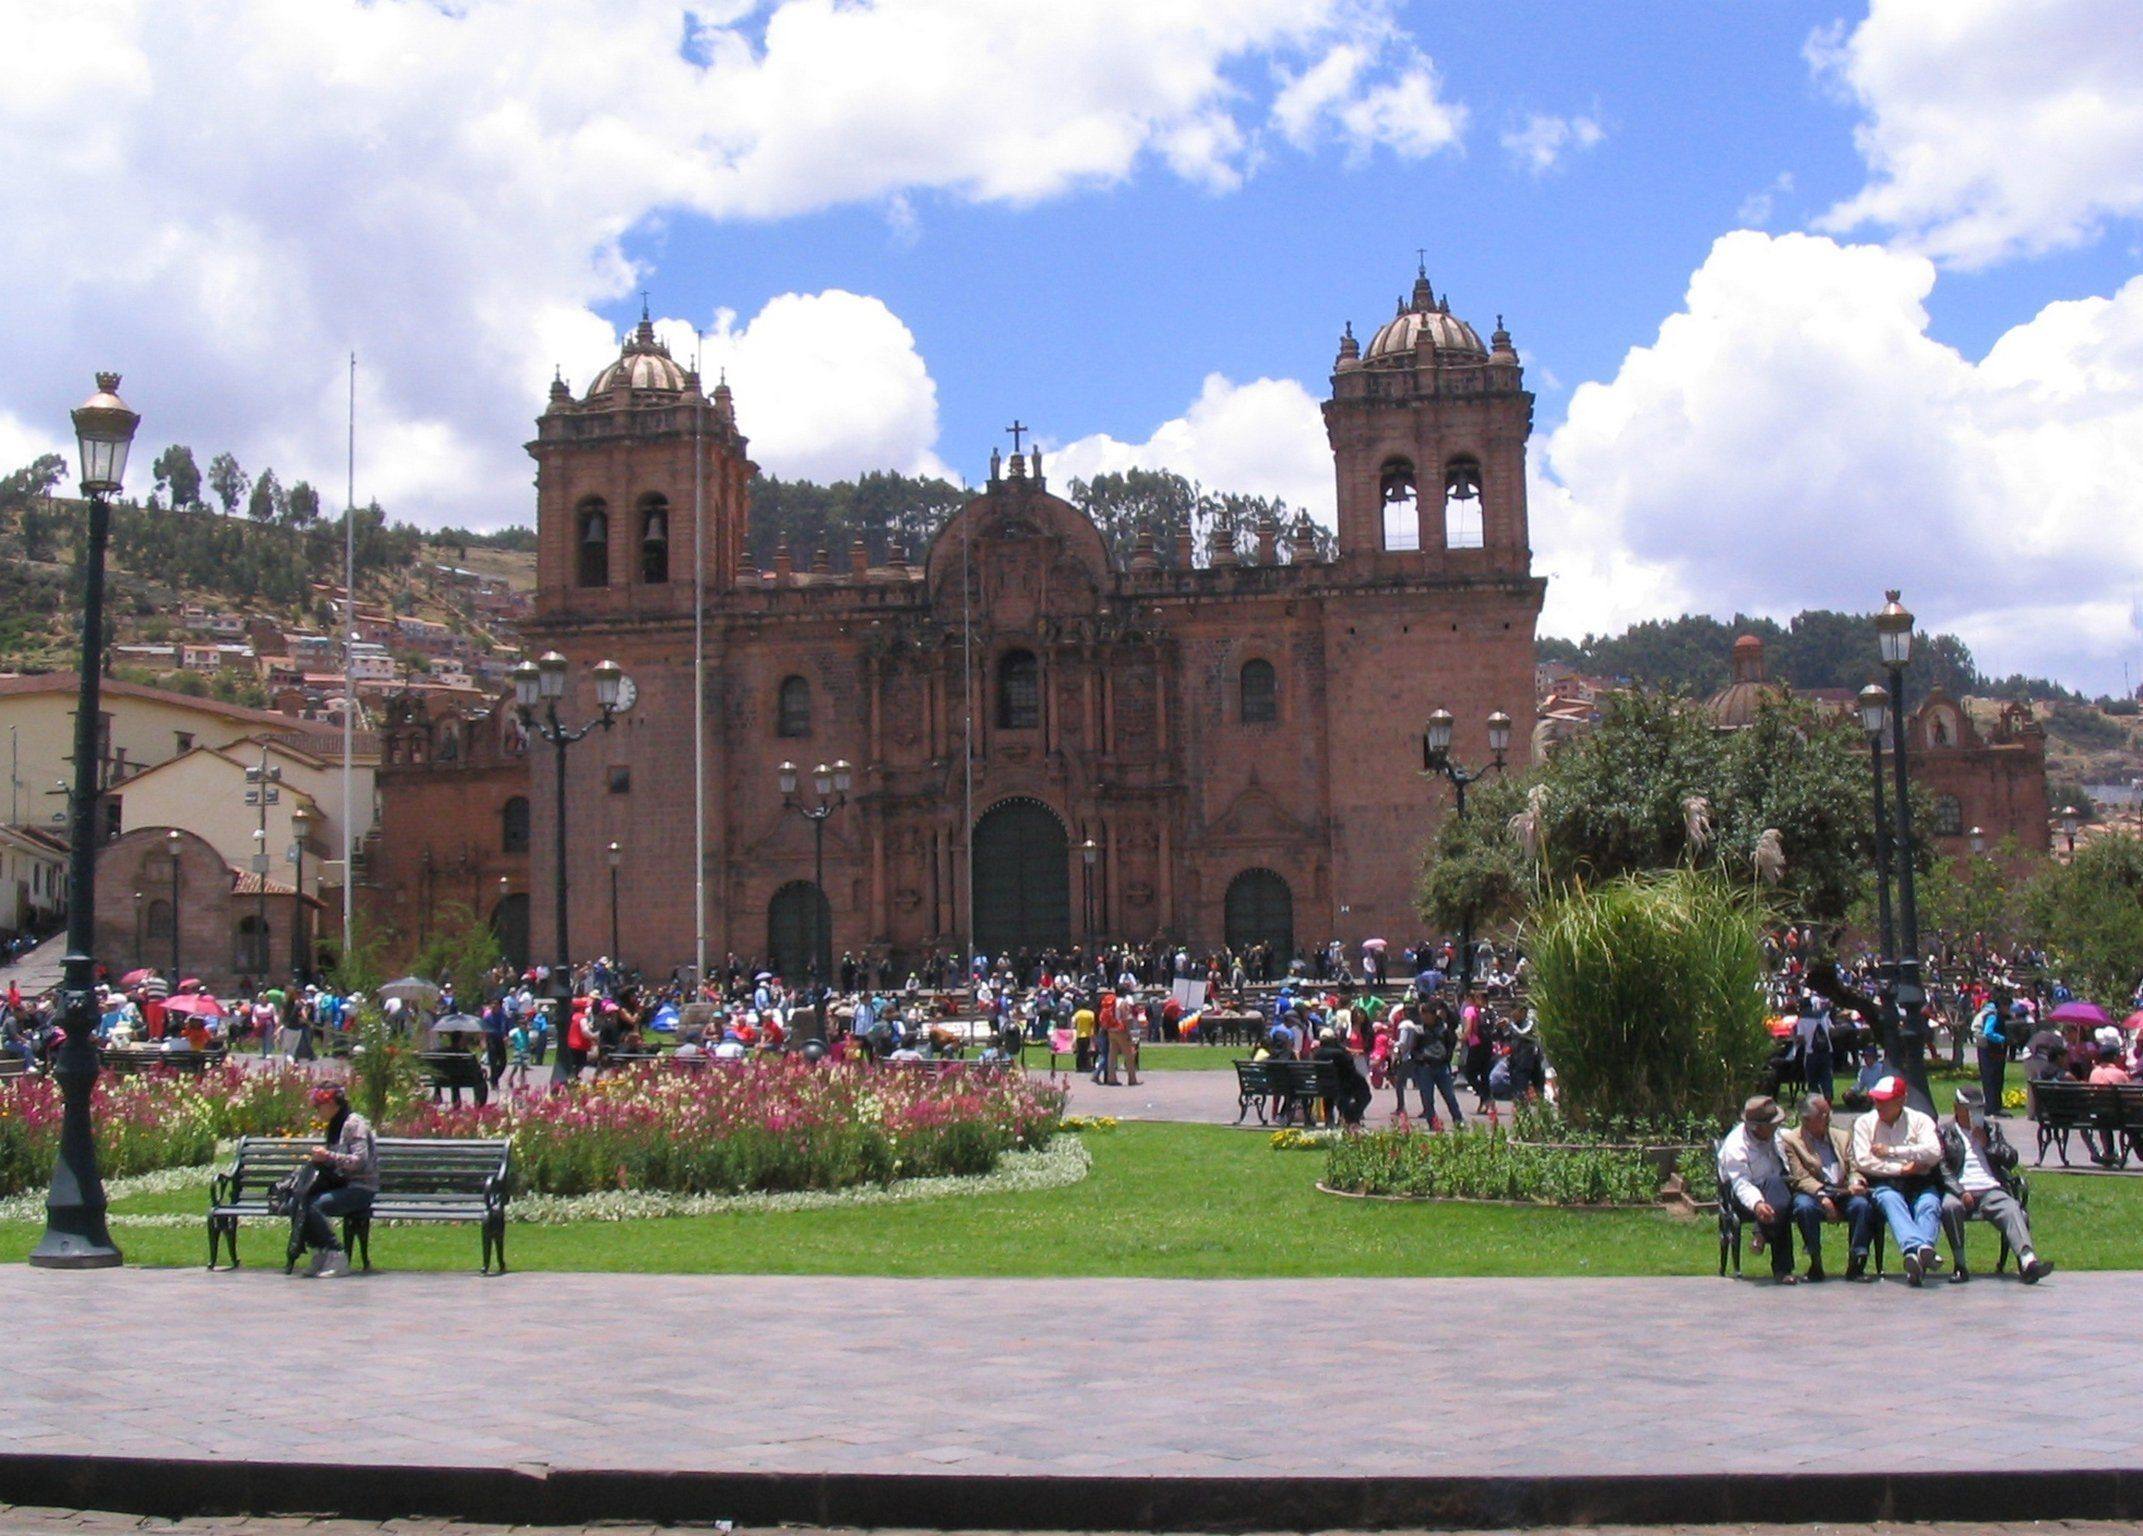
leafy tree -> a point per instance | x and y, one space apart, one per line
35 481
462 949
2090 911
269 503
228 481
176 472
1655 787
1477 869
1973 901
303 507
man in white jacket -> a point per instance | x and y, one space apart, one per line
1897 1151
1754 1172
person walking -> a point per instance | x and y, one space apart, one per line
1990 1042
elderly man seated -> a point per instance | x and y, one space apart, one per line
1754 1172
1897 1151
1819 1171
1978 1179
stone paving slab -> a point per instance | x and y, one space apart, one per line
1150 1378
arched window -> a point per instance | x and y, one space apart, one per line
1402 519
158 927
513 825
1261 692
1949 816
654 539
792 712
592 543
250 954
1019 692
1462 505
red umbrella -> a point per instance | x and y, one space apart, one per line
190 984
136 977
199 1004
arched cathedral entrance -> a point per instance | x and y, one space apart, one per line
1022 879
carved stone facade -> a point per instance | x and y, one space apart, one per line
1239 740
454 824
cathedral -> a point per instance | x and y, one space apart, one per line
1043 746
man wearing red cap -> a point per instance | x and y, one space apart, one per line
1897 1151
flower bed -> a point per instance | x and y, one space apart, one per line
1487 1164
764 1126
768 1125
148 1122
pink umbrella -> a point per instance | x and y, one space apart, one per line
199 1004
1376 944
2079 1012
136 977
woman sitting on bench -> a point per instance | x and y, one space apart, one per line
348 1160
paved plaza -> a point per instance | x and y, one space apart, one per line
1028 1377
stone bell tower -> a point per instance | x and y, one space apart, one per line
615 490
1428 429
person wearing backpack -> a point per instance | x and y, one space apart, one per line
1432 1064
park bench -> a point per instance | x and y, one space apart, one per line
13 1066
420 1179
131 1060
1254 1084
451 1072
2094 1110
2130 1098
1311 1086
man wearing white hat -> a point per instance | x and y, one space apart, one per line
1897 1151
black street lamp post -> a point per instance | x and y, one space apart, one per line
613 852
1436 758
1088 852
1875 720
171 846
1893 631
76 1236
300 969
2071 819
544 682
831 786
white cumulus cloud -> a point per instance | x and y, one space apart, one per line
1993 128
1263 438
231 195
1543 141
827 385
1795 438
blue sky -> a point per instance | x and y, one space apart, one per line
1816 297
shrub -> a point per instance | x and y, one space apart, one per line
1486 1164
1648 993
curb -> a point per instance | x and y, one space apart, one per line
176 1488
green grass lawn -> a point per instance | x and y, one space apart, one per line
1190 1058
1163 1200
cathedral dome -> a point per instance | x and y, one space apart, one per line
1424 316
644 364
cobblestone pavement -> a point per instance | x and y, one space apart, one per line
1142 1378
22 1521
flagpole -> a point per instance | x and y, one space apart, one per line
349 691
967 678
699 680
